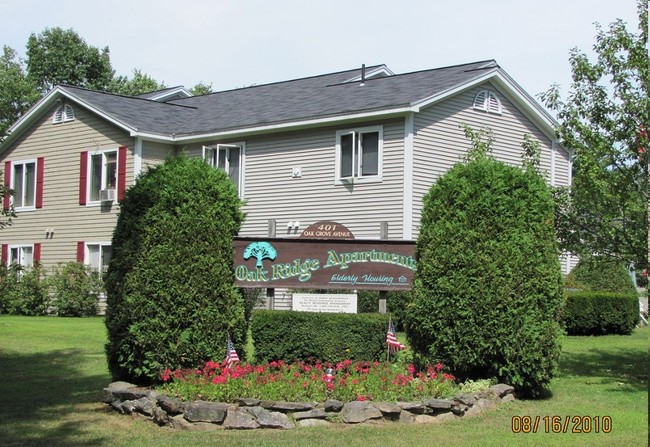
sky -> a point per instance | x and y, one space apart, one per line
236 43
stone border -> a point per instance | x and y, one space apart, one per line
254 413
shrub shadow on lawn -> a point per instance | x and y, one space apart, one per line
45 396
624 369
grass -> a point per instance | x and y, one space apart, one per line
53 370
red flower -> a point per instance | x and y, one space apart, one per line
165 375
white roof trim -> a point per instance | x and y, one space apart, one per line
522 99
168 93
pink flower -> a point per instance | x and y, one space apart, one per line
166 375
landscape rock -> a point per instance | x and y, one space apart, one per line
240 419
359 411
501 389
312 423
201 411
317 413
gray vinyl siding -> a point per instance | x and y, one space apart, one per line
154 153
271 192
61 145
440 142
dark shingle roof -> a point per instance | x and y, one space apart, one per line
303 99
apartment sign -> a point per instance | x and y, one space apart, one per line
324 264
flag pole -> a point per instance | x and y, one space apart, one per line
388 345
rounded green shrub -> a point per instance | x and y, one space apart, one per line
171 302
23 291
75 290
601 274
487 289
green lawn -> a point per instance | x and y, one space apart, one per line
53 370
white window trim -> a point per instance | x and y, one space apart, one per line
485 104
242 160
20 247
101 152
87 250
13 180
380 157
63 114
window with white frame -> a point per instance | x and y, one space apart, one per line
230 159
99 256
63 113
359 154
23 182
102 175
22 255
487 101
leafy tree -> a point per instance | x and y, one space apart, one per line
171 302
487 290
18 93
201 89
139 84
6 214
604 121
58 56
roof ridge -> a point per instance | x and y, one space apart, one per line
351 70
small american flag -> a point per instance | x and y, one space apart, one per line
231 354
391 339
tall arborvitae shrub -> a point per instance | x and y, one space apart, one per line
171 302
487 288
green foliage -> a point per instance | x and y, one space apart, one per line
18 93
23 291
75 290
396 302
201 89
600 313
604 122
601 274
486 292
58 56
292 336
139 84
171 302
6 214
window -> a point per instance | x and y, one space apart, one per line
23 182
230 159
99 256
22 255
487 101
63 113
102 176
359 154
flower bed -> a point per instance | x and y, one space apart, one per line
280 395
309 381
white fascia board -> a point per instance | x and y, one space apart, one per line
523 100
171 92
45 102
112 120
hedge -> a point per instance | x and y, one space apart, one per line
329 337
600 313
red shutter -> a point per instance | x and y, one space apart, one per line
121 173
40 170
5 253
81 251
83 178
7 198
37 253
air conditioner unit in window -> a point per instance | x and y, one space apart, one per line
107 195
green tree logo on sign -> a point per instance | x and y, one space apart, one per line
260 251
